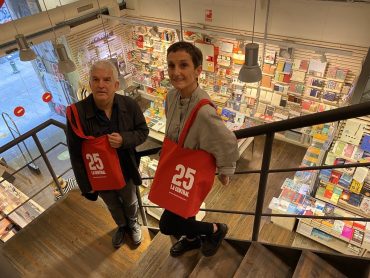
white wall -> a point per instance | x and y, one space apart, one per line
50 4
345 23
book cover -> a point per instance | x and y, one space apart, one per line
345 180
339 147
348 150
335 176
304 65
365 205
335 197
338 226
358 236
347 232
328 210
355 199
288 67
365 190
320 234
280 66
270 57
329 96
353 131
365 143
360 174
296 64
292 208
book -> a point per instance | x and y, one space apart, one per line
360 174
287 67
276 98
365 205
365 190
358 236
270 57
365 143
353 131
347 232
338 226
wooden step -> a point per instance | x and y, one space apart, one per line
260 262
157 261
311 265
73 239
223 264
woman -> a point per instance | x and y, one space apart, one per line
207 133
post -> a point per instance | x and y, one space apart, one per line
262 184
47 162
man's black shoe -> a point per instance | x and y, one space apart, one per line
212 242
184 245
117 239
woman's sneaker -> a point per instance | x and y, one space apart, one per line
184 245
212 242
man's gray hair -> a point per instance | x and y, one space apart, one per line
105 64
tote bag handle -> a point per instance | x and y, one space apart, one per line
191 119
77 127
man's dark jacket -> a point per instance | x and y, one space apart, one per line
131 126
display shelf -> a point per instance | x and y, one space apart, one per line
329 231
147 96
332 242
333 79
351 208
156 135
281 137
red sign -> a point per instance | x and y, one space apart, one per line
1 2
208 15
19 111
47 97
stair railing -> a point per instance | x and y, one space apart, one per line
269 130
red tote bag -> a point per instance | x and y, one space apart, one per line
101 160
184 176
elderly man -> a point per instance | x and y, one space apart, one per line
105 112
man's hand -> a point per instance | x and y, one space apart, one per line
224 179
115 140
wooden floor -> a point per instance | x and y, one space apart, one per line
72 239
241 194
75 239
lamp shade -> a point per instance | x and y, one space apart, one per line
65 64
25 52
250 71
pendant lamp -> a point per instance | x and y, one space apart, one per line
251 71
25 52
65 64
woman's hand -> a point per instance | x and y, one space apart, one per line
224 179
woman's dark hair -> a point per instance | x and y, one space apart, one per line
194 52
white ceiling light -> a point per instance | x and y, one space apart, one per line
65 64
25 52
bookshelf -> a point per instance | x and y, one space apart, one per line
289 87
16 210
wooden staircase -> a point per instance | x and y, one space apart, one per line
73 239
245 259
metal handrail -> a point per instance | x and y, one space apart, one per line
342 113
269 130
